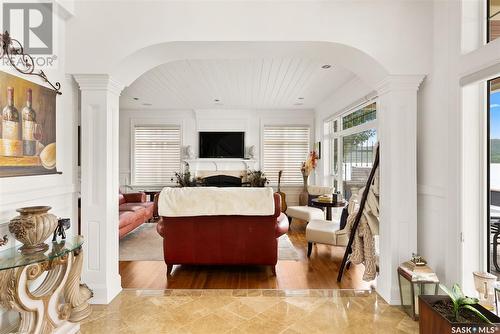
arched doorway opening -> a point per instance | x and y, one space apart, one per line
100 109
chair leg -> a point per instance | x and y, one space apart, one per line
169 269
309 248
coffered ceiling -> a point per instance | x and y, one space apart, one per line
288 83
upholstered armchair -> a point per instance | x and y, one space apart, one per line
309 212
330 232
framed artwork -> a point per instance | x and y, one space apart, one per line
317 148
27 127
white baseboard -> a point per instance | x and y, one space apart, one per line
105 294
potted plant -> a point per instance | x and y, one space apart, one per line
185 179
256 178
455 313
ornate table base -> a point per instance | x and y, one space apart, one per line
54 306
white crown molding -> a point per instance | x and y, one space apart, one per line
403 82
98 82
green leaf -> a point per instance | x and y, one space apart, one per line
468 301
449 293
457 291
479 314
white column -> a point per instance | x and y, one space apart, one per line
397 125
99 184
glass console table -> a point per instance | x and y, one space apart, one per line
52 303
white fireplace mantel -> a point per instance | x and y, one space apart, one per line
220 164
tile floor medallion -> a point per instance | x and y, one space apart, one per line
248 311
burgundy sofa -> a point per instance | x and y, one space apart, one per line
134 210
223 240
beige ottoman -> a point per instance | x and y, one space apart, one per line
325 232
305 213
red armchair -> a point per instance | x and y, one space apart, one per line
220 240
134 210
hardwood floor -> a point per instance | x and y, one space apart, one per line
318 272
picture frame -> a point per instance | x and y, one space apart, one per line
27 127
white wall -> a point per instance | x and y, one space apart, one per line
191 122
370 26
58 190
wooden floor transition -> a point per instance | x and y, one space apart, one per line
318 272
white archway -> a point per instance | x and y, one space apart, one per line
100 112
143 60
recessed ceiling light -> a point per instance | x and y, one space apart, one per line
301 98
136 98
326 66
216 100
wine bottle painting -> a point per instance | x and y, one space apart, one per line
27 127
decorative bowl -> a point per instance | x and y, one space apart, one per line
32 227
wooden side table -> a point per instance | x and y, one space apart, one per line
60 302
328 206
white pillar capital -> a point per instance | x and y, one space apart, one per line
98 82
403 82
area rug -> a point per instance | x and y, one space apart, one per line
145 244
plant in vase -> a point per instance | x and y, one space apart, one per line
454 313
184 179
256 178
307 167
460 302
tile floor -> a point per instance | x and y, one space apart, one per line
248 311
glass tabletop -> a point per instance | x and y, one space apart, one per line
12 257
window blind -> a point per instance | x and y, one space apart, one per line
285 148
157 154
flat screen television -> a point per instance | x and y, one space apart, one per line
222 144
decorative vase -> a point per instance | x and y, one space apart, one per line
304 195
252 152
485 285
32 227
189 152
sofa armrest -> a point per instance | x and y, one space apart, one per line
135 197
160 227
277 205
282 225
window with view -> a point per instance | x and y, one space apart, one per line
351 147
285 147
357 159
493 15
493 186
156 154
359 117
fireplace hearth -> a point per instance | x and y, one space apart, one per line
222 181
